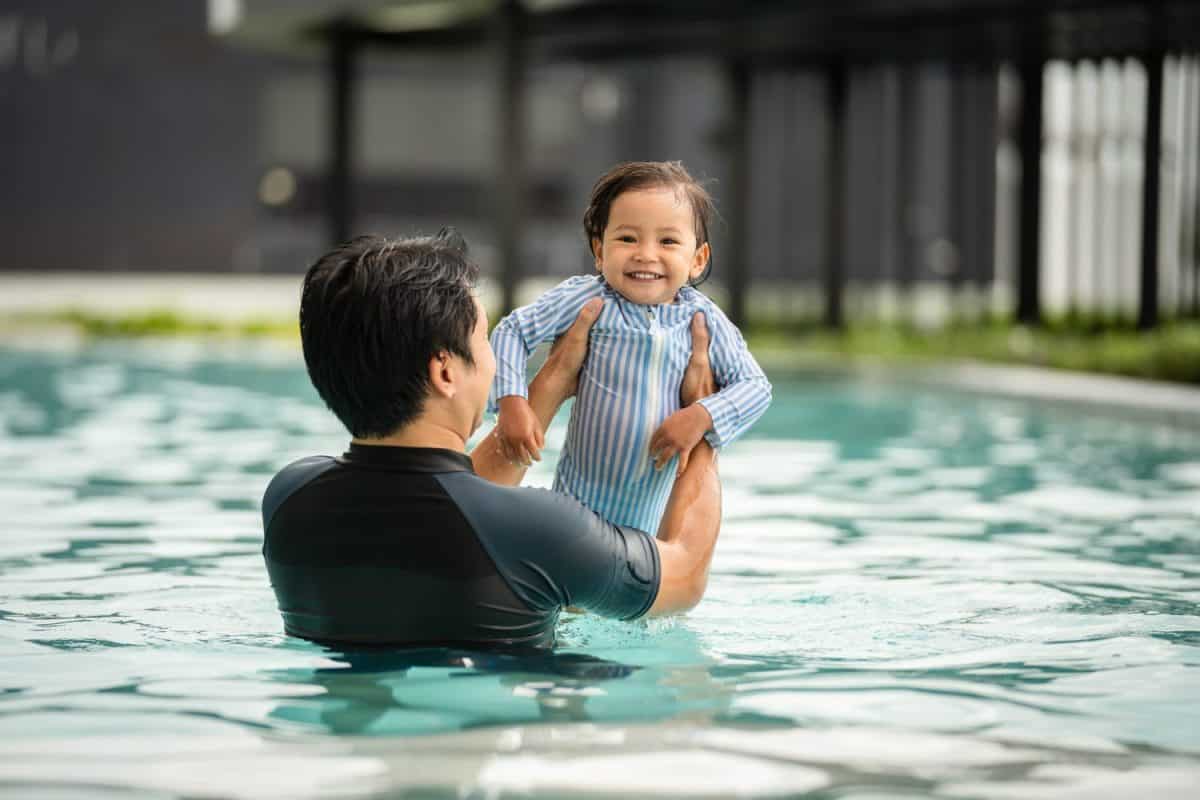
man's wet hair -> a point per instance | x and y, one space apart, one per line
373 312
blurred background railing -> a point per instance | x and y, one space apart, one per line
905 160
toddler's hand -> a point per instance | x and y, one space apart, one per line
518 431
678 434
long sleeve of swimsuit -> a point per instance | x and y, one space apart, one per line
745 391
517 335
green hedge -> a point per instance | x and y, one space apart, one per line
167 323
1171 352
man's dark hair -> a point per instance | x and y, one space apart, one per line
634 175
373 312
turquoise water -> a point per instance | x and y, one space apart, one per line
916 594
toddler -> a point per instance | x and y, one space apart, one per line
647 224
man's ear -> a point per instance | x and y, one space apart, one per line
441 375
701 261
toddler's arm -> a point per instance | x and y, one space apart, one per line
745 391
517 335
557 380
514 339
722 417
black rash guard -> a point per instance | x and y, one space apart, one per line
408 546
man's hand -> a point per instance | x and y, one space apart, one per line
558 378
698 379
518 431
684 429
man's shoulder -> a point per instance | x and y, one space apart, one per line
525 514
291 479
525 506
554 551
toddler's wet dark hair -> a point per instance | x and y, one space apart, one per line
634 175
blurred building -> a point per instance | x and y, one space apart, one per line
129 138
196 136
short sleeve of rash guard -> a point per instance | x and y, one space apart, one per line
555 552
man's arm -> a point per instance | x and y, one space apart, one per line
687 535
553 384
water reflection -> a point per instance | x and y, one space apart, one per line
382 692
400 692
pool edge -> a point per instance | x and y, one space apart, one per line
1131 398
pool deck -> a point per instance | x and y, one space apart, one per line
224 297
239 297
1151 401
221 297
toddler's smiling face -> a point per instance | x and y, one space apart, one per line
649 247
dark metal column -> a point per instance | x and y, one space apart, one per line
1152 152
1189 245
510 173
1029 253
835 193
738 200
1194 66
343 51
981 264
976 253
1151 183
891 223
962 185
907 196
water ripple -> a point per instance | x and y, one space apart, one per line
915 594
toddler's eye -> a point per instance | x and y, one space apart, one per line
670 241
625 238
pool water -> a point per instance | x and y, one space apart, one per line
916 593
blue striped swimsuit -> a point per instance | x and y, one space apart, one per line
628 386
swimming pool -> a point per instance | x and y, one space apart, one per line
916 593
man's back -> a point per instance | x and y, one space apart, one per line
407 546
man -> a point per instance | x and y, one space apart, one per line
405 540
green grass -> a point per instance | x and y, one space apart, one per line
164 323
1171 352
